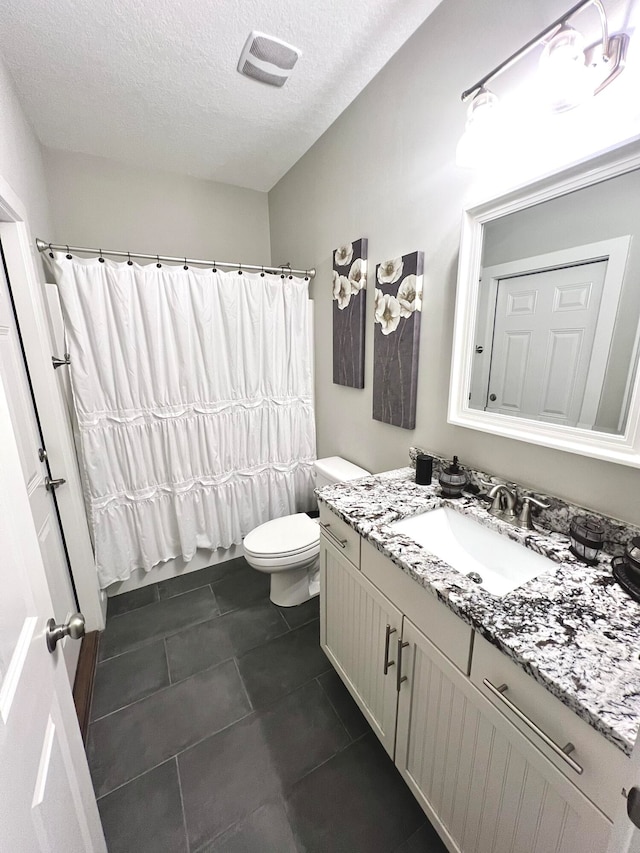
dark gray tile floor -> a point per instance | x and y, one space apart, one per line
219 726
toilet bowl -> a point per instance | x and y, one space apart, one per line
288 548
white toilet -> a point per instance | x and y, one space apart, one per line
288 548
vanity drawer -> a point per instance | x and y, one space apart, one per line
449 634
540 715
341 536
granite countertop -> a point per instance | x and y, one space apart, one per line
576 631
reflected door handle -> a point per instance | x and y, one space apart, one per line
73 627
633 806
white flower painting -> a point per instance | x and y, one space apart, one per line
343 255
398 308
358 275
390 271
409 296
349 301
341 290
388 314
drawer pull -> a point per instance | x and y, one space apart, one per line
341 543
562 751
399 676
387 638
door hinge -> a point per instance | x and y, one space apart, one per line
58 362
50 484
42 454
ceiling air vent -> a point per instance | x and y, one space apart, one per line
268 59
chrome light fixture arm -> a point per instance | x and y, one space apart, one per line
614 48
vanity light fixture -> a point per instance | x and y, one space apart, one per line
569 71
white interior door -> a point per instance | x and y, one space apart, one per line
47 803
25 427
543 344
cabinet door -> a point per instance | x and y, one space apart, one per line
483 784
355 621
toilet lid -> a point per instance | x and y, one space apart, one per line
292 534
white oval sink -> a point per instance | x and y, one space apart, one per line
471 548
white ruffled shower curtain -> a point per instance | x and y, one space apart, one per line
193 393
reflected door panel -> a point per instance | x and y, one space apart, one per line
543 337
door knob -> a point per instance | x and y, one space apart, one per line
73 627
493 398
633 806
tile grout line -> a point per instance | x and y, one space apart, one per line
218 731
333 707
166 659
184 815
244 686
161 689
147 642
173 683
176 755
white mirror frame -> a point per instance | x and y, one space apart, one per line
624 448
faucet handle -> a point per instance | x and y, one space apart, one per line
525 520
540 504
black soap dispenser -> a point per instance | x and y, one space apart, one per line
453 480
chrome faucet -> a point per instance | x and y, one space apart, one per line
504 500
504 504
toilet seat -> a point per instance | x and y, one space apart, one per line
289 540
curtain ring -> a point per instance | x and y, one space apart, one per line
129 262
306 275
239 269
68 254
100 258
262 273
185 264
281 272
50 251
159 265
213 268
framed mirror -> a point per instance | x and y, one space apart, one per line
547 327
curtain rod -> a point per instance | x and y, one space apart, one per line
43 246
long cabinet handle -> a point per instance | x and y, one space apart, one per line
562 751
399 676
341 543
387 640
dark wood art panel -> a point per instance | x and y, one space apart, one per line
349 302
396 340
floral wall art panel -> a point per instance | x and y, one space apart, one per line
396 338
349 301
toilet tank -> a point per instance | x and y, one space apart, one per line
335 469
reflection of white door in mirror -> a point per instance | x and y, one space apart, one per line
543 337
543 334
554 249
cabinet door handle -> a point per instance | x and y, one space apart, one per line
562 751
399 676
341 543
387 639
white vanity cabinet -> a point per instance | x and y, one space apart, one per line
486 781
359 628
481 782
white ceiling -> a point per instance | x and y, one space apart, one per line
154 82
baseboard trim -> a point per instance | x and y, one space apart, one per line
83 684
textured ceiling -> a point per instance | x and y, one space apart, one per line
154 82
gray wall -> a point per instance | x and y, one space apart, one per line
97 202
20 157
386 170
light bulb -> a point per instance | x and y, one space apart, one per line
479 137
564 75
